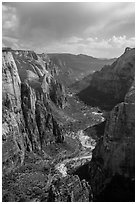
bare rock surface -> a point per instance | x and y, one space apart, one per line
110 85
114 155
29 90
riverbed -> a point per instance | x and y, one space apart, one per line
88 144
85 152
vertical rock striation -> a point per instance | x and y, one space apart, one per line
14 133
30 92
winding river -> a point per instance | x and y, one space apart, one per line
88 144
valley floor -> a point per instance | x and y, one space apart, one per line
32 181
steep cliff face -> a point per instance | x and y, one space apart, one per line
114 155
13 123
29 90
109 86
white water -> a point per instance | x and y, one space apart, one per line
88 143
62 169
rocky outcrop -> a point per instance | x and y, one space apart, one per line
114 155
70 189
110 85
30 92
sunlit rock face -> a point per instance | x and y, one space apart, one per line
110 85
30 93
114 155
12 118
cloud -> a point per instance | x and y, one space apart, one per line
111 47
9 20
122 41
76 27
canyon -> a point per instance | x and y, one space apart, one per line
72 68
61 143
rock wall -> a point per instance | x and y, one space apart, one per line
30 91
110 85
114 154
111 172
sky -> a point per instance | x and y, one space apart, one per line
96 29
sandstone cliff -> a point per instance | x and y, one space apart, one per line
29 89
114 155
109 86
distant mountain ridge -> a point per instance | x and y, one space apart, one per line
72 68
